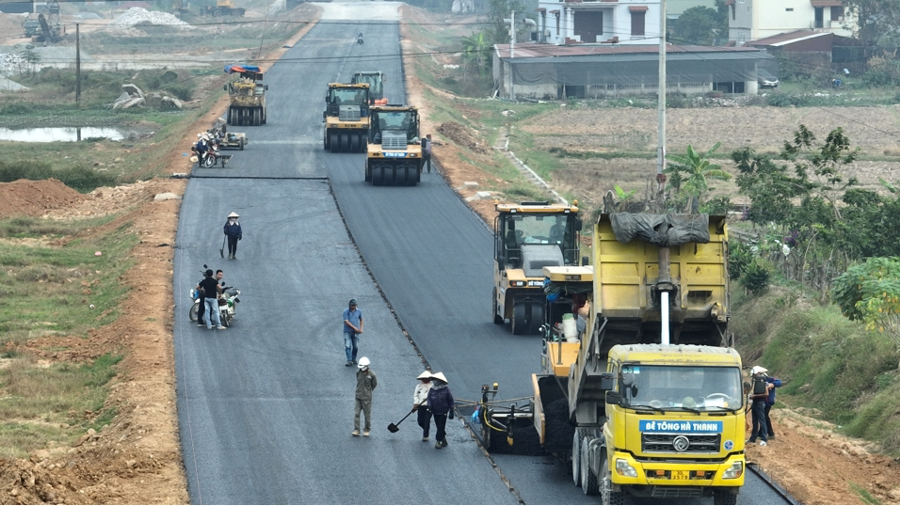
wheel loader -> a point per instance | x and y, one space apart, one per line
393 153
375 79
528 237
346 117
248 96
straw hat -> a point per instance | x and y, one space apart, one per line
439 376
234 215
424 375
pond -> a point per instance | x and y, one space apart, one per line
61 134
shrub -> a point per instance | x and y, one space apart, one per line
756 276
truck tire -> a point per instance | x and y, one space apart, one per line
589 482
576 457
242 148
217 13
607 495
498 318
724 497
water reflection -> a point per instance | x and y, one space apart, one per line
59 134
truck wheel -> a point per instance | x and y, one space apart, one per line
724 497
217 13
242 148
517 322
236 13
194 312
576 458
333 142
589 483
498 319
607 495
354 143
263 116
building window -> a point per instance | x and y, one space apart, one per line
637 23
733 12
837 13
741 38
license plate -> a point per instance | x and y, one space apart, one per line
681 475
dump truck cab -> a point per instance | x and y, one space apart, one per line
375 79
346 117
394 151
32 26
674 425
528 237
247 95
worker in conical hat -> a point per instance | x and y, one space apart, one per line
234 233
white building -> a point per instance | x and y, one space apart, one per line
598 21
758 19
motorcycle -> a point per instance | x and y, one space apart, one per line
210 158
359 39
227 305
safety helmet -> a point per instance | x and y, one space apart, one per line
363 362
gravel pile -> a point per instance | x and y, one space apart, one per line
139 16
13 62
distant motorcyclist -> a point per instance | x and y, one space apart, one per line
359 38
201 148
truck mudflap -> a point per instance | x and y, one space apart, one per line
644 476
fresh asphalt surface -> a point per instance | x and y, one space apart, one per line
265 407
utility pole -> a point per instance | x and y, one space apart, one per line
664 282
77 64
512 50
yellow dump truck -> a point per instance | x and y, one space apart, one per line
346 117
639 391
394 151
527 237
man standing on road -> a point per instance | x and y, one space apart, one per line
211 290
202 310
234 233
420 403
426 151
365 384
759 392
353 327
440 401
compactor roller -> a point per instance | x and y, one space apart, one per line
346 117
394 154
248 96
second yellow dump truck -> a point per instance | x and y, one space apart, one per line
638 389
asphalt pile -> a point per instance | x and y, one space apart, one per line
137 16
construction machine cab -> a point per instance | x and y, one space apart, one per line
394 128
528 237
375 80
344 100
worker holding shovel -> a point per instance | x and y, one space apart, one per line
420 403
440 401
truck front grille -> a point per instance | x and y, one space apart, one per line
652 442
393 140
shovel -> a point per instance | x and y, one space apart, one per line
222 249
395 427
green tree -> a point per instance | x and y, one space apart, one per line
498 10
689 175
878 21
699 25
476 52
870 292
31 58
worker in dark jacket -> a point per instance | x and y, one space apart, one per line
770 401
440 401
234 233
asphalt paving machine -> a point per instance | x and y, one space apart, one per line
394 152
346 117
247 94
528 237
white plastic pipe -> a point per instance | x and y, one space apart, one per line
664 317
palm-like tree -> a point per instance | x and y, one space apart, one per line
689 174
475 48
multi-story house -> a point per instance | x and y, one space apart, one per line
598 21
757 19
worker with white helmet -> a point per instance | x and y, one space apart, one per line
365 385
